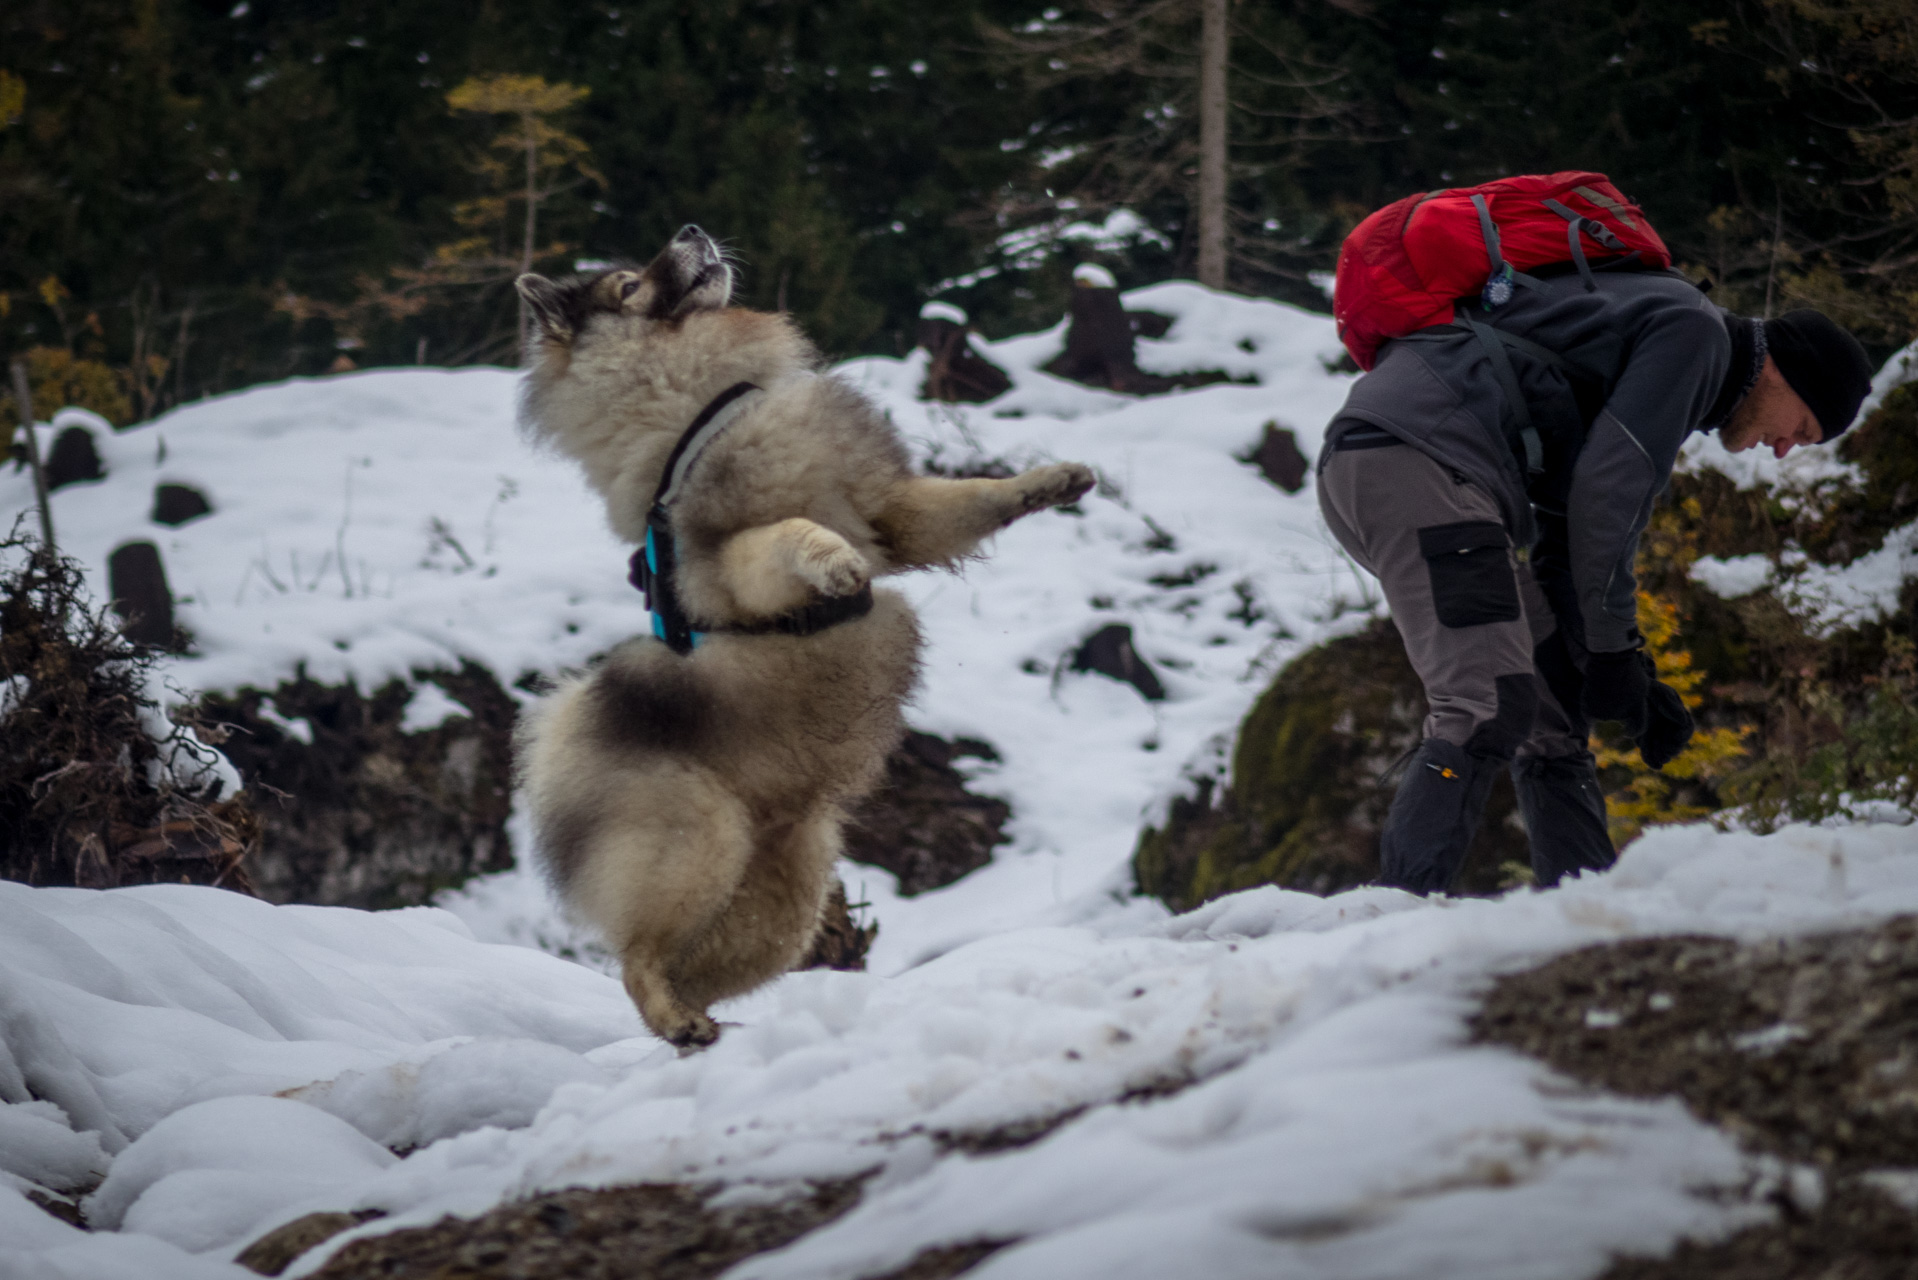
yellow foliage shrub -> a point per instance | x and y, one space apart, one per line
1650 798
59 379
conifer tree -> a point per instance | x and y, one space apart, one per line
529 161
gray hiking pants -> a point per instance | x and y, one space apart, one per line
1501 685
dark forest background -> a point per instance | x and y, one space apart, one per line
196 196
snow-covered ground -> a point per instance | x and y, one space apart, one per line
229 1065
233 1065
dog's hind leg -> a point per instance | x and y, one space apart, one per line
928 521
779 567
667 865
770 923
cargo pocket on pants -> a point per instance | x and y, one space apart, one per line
1472 579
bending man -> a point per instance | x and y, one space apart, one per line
1508 564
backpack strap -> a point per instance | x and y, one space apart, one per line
1576 222
1494 341
1498 344
1498 285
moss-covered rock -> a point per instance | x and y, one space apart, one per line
1310 785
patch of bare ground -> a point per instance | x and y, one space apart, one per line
945 1261
1024 1133
1806 1049
651 1232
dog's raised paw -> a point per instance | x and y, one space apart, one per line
1058 484
835 570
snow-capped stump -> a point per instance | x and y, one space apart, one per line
1311 782
1280 459
175 504
137 580
73 459
1150 324
1099 341
923 825
380 799
957 372
1109 651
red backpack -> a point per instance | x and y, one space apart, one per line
1405 267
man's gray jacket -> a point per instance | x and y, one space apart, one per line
1657 354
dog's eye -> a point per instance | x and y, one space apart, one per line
628 289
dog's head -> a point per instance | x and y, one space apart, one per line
689 275
620 359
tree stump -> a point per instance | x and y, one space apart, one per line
73 459
957 374
137 581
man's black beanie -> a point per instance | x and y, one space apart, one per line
1825 365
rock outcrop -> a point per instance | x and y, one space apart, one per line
360 810
1312 778
923 825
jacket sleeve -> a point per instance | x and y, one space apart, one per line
1676 363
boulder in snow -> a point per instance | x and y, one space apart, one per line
175 504
1280 459
923 825
1109 652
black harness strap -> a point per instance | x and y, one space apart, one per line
814 618
653 567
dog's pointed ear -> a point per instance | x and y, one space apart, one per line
546 306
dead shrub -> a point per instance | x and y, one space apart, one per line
98 788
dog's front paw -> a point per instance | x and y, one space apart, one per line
833 567
1056 485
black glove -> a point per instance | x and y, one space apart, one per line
1616 686
1669 726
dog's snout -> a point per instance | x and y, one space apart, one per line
691 235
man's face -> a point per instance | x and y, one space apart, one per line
1772 416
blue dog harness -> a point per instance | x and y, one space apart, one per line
653 567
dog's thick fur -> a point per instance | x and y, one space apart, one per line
690 807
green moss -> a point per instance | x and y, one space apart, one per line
1309 786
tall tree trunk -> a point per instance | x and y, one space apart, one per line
1213 43
532 196
532 212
